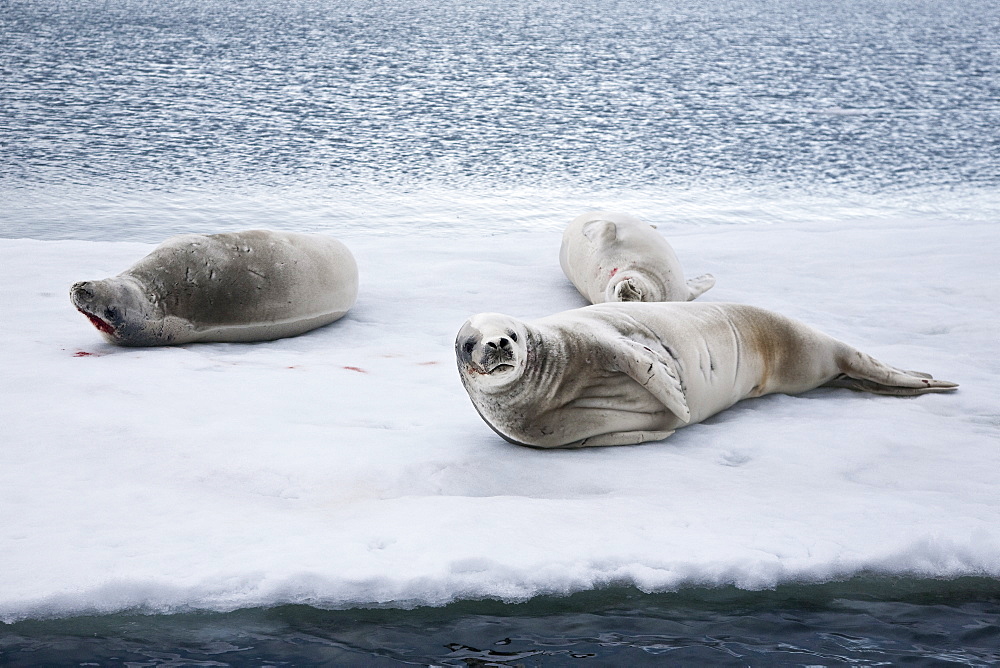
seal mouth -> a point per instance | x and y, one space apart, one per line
499 369
100 324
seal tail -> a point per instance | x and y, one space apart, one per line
699 285
864 373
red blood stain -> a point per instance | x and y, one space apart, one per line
99 324
427 363
81 353
614 271
354 368
292 367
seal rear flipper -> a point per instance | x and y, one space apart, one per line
621 438
658 375
866 374
865 385
699 285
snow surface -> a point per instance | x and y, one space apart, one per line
348 467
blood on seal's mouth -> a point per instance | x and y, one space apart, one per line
98 323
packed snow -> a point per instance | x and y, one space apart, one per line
348 467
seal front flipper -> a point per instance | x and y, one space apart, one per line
657 373
600 231
621 438
699 285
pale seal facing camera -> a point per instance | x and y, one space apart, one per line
615 257
625 373
255 285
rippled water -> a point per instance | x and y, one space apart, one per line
127 119
863 622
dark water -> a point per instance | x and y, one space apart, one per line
866 622
115 111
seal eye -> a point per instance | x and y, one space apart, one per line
111 313
469 346
513 336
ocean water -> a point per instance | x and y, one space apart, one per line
864 622
135 119
132 119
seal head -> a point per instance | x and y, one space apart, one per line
493 348
118 307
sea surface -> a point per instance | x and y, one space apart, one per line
138 119
868 621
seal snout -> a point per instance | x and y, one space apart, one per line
500 343
82 293
628 290
497 354
486 354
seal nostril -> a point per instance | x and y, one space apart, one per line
82 292
491 345
504 343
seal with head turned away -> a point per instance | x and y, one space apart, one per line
625 373
254 285
615 257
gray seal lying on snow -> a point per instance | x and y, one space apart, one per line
254 285
625 373
615 257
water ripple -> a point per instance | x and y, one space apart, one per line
177 93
